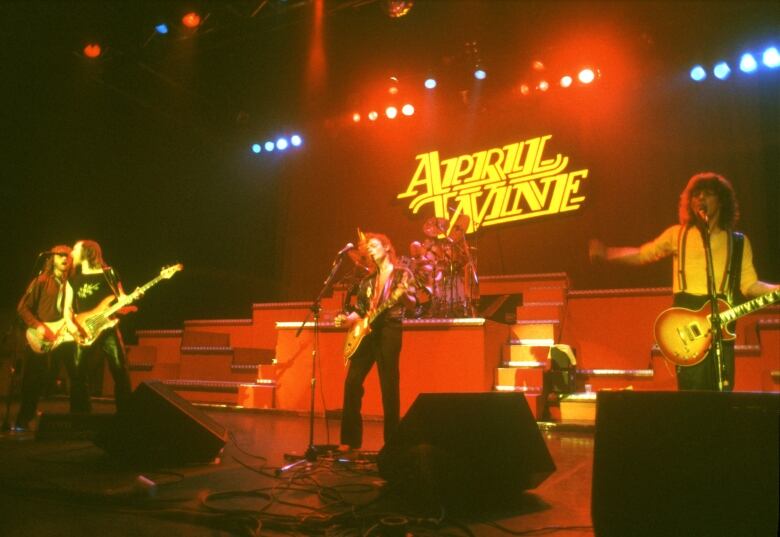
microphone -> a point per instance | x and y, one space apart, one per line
346 249
701 212
47 253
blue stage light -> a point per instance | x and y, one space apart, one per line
269 146
296 140
480 74
430 83
721 70
698 73
161 29
771 57
747 63
281 144
256 148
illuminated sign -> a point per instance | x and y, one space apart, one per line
497 185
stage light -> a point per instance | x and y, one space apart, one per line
356 117
396 8
537 65
282 144
544 85
296 140
269 146
391 112
698 73
566 81
191 20
161 29
480 74
407 110
372 115
771 57
256 148
430 83
92 50
525 89
586 76
721 70
748 63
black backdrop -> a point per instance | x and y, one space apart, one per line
147 150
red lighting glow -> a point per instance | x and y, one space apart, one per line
544 85
566 81
524 89
586 76
356 117
191 20
391 112
372 115
92 50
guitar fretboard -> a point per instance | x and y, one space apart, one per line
743 309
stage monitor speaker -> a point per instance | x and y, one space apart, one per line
685 463
466 451
161 427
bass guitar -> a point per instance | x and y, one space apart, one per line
362 327
684 336
94 322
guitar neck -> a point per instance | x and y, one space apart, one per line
736 312
387 304
132 297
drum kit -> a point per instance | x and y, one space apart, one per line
444 270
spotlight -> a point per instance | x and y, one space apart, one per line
282 144
566 81
771 57
537 65
586 76
161 29
524 89
748 63
407 110
544 85
296 140
372 115
480 74
430 83
721 70
92 50
698 73
391 112
356 117
269 146
396 8
191 20
256 148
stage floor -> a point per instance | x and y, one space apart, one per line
60 487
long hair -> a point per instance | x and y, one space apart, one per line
729 208
389 248
48 265
91 252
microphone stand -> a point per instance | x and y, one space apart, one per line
715 324
313 451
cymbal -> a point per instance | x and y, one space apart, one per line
433 227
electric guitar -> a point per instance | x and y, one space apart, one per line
94 322
684 336
362 327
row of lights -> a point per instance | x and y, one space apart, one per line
281 144
748 64
391 112
190 21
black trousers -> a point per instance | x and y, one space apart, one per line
383 347
108 346
704 375
37 373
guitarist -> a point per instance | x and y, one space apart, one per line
42 303
381 346
90 284
708 200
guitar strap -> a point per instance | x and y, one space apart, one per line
735 266
111 279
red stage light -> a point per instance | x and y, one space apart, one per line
586 76
544 85
524 89
92 50
391 112
566 81
407 110
191 20
356 117
372 115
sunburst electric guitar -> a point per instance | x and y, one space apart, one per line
684 336
362 327
94 322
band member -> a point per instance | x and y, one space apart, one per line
382 345
708 200
42 303
90 284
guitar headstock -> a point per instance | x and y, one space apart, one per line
168 272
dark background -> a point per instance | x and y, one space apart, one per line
146 150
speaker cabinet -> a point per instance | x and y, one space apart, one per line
466 451
686 463
161 427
